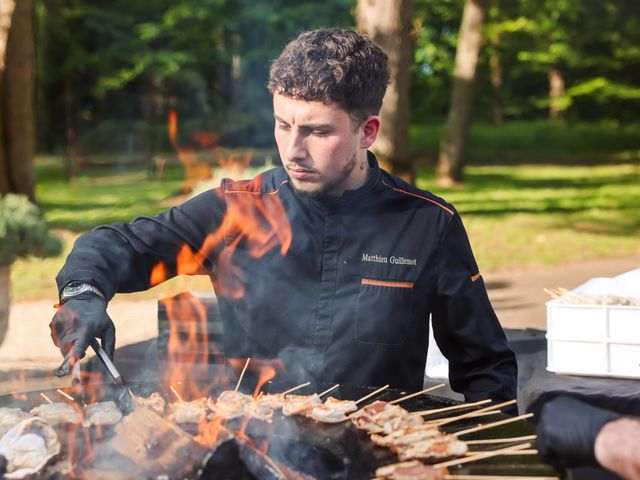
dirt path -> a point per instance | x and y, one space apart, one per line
517 296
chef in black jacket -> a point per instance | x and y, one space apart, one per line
328 263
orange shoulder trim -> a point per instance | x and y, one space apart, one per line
405 192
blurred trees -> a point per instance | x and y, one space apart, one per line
109 70
17 58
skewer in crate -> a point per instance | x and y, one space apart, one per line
193 318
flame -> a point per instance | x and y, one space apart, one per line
188 344
173 128
195 167
208 431
159 274
266 374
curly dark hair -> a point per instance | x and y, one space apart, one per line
332 65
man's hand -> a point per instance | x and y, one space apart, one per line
77 321
567 432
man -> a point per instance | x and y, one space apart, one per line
328 264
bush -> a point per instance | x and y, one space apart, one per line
23 231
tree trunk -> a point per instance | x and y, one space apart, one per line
388 23
495 67
5 300
6 15
556 91
456 132
17 91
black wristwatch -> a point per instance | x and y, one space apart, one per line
76 288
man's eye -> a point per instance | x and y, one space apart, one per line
283 127
320 133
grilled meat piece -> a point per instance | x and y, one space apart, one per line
407 436
188 412
102 413
57 413
300 404
332 410
155 402
433 451
229 404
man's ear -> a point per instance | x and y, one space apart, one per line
370 128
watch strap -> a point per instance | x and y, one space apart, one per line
76 288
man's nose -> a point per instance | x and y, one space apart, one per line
296 148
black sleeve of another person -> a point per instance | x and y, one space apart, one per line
481 364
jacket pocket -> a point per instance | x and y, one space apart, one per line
383 310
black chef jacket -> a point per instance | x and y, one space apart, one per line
339 289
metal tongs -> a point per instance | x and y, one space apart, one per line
125 397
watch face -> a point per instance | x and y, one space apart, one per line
71 290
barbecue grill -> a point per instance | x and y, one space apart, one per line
295 444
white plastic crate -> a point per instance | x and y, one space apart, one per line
601 340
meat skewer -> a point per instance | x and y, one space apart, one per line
410 470
47 399
333 410
501 440
469 414
297 387
242 374
424 413
433 450
407 397
531 451
58 413
492 453
366 397
494 424
446 421
494 477
66 395
173 390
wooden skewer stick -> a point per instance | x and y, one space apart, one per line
176 393
552 293
469 414
529 451
366 397
493 477
424 413
489 441
242 374
47 399
65 395
494 424
329 390
297 387
492 453
407 397
437 423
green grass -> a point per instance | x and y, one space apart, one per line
517 215
537 142
99 196
531 214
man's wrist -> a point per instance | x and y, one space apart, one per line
73 289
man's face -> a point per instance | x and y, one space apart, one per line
319 148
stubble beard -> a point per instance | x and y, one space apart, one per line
328 189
